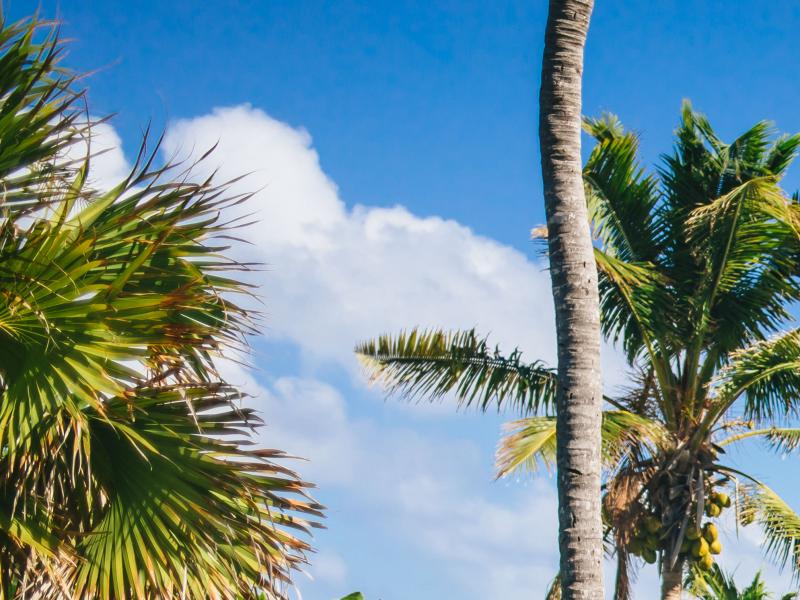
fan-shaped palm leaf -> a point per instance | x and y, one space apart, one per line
126 469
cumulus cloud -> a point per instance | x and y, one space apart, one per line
339 274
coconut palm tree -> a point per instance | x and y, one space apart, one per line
698 264
717 585
574 279
127 465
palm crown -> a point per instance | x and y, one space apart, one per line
718 585
698 263
126 464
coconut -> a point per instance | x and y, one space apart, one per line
652 525
710 532
699 548
692 533
715 547
649 556
706 562
635 546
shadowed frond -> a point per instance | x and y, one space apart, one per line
633 307
431 364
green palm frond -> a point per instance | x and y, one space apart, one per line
716 584
779 439
528 444
128 467
433 363
223 518
634 308
39 116
767 373
621 198
781 525
531 442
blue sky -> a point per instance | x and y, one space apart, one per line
395 143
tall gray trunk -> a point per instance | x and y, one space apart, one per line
574 277
672 581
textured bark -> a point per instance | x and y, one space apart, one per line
574 278
672 581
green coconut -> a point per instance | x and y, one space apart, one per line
652 525
635 546
699 548
710 532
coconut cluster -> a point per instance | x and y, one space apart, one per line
700 543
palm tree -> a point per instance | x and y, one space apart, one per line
127 468
574 279
717 585
698 264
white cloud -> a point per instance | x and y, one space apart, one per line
338 275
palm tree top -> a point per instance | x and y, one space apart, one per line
716 584
699 262
127 465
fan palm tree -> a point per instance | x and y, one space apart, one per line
573 273
717 585
127 465
698 264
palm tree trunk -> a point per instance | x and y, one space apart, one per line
672 581
574 279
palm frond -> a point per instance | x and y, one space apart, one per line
554 589
760 504
767 372
634 308
188 506
716 584
429 364
780 439
127 467
39 116
531 442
